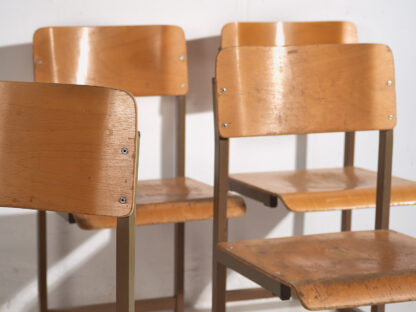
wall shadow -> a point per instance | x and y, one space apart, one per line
16 62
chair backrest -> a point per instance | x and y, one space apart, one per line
145 60
304 89
287 33
67 148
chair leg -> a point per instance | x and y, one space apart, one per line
378 308
42 262
125 263
179 266
219 287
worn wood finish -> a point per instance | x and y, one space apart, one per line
287 33
276 90
323 189
68 157
171 200
145 60
42 262
332 271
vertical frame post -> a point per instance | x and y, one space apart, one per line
179 279
42 262
349 147
385 157
220 232
125 263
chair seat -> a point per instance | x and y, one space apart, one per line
320 189
172 200
330 271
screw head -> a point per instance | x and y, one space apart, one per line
230 247
182 85
125 150
123 200
181 58
39 62
224 125
390 117
223 90
389 83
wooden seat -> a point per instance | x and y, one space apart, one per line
320 189
265 91
171 200
56 155
146 60
331 271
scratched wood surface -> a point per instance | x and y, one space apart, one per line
280 90
145 60
325 189
337 270
60 148
170 200
287 33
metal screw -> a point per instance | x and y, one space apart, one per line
125 150
224 125
39 62
230 247
223 90
390 117
123 200
276 272
182 85
181 57
389 83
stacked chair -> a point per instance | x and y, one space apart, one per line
56 154
306 87
146 61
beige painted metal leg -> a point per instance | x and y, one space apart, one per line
179 266
42 262
125 263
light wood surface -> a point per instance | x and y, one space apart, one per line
323 189
337 270
60 148
170 200
287 33
145 60
304 89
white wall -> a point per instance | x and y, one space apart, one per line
82 263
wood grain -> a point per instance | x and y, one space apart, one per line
304 89
170 200
324 189
60 148
145 60
287 33
337 270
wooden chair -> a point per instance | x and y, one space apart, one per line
262 91
55 150
146 61
271 186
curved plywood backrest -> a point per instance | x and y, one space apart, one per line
145 60
61 148
287 33
304 89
